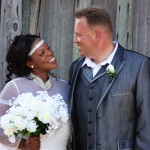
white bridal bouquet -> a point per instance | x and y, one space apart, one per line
34 115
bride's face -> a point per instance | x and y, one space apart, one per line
43 59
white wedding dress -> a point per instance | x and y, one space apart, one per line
57 141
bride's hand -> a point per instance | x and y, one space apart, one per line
34 143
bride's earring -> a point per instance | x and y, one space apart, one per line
32 66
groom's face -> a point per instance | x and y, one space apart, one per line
84 37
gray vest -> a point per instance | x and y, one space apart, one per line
86 97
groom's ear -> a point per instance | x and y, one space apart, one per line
97 34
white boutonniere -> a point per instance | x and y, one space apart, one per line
111 72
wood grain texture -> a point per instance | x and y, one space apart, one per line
124 23
141 26
57 24
53 20
11 25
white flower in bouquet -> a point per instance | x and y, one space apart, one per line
34 115
31 127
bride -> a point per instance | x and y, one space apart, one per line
30 59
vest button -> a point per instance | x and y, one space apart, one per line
91 98
90 122
91 87
89 134
99 117
90 147
90 110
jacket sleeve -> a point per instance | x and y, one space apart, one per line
142 96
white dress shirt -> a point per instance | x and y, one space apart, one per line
96 67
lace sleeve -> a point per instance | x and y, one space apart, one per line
7 93
10 90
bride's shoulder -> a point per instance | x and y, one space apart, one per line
15 84
19 79
62 87
14 81
61 82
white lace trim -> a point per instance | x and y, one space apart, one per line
45 86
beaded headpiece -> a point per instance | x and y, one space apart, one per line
36 47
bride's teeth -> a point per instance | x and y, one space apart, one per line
52 59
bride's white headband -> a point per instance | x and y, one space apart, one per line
36 47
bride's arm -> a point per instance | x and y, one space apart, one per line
7 93
33 143
23 145
3 138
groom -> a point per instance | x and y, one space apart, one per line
110 104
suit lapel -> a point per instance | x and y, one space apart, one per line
118 63
76 70
74 78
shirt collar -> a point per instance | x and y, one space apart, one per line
109 59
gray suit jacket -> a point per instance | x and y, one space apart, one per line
124 123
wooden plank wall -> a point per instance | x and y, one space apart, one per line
53 20
124 23
10 25
141 26
57 29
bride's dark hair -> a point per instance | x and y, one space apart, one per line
17 56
